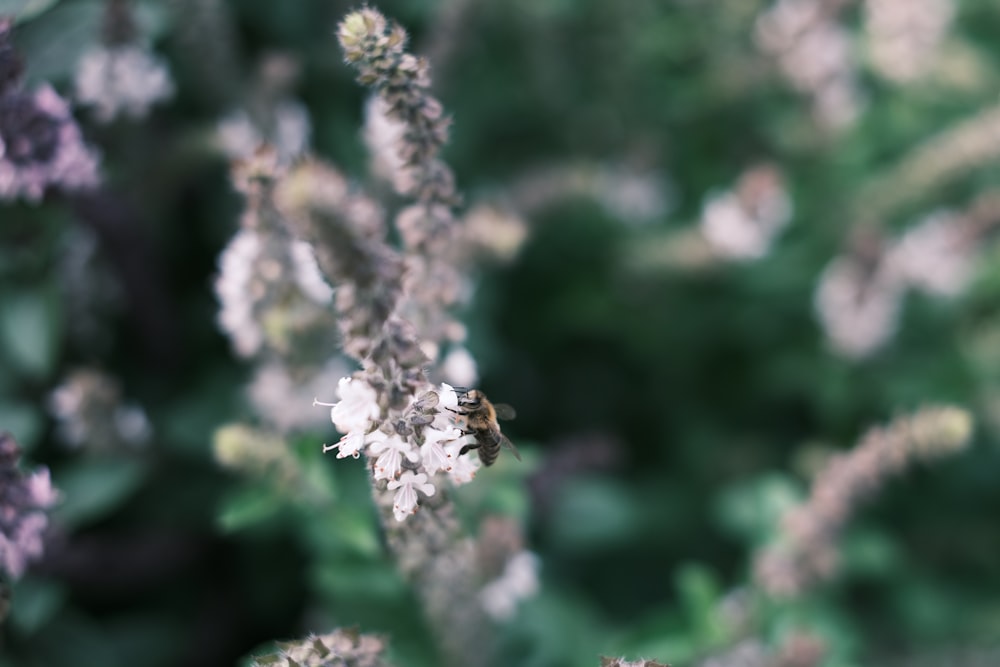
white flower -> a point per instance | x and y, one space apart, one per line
308 275
741 224
730 230
390 451
449 397
383 136
239 136
934 256
24 545
433 452
350 445
459 367
519 581
132 424
447 404
463 468
284 400
357 408
858 307
40 489
122 80
405 502
233 288
904 35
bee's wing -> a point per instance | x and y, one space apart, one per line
504 411
505 441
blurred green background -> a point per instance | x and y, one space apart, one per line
669 407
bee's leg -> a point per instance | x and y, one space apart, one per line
463 450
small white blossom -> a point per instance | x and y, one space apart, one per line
357 408
283 398
904 36
405 501
519 581
742 223
238 135
308 275
463 468
383 136
132 424
350 445
858 307
815 54
447 404
460 368
730 230
40 490
632 196
124 80
433 452
233 289
933 256
390 451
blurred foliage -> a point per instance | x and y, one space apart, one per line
667 415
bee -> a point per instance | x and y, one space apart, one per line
481 421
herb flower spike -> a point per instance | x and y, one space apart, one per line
363 36
407 451
377 51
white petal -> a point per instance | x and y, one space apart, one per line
463 469
434 457
388 465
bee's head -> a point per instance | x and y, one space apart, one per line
471 399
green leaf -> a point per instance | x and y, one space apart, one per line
23 421
23 10
53 44
35 602
752 510
93 489
29 330
248 507
595 514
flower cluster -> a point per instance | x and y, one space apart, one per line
407 129
741 224
814 53
340 648
391 307
860 295
904 35
269 116
23 501
622 662
272 292
122 80
281 393
90 411
408 451
403 82
518 581
40 143
346 231
806 547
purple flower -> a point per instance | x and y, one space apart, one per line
23 501
40 143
